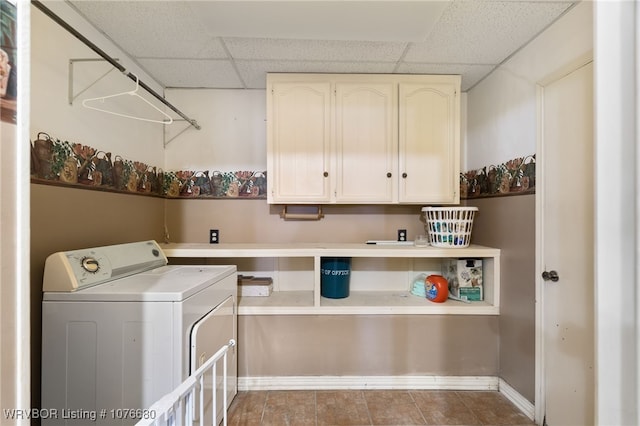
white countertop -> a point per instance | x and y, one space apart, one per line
320 249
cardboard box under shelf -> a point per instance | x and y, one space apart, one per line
254 286
465 278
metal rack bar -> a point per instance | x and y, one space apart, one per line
111 60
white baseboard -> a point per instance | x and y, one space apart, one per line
523 404
368 382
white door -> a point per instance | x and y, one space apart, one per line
566 329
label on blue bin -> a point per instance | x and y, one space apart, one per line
333 272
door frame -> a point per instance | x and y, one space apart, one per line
540 397
617 91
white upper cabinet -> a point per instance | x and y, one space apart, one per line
363 139
429 136
366 142
298 141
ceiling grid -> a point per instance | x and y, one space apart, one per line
233 44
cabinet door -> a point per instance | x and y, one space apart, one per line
366 142
429 123
298 142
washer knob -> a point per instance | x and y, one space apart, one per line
90 264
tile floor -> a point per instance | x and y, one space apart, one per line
374 407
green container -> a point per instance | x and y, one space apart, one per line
335 273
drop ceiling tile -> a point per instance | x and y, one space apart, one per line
484 32
254 73
161 29
380 20
314 50
194 73
211 49
471 74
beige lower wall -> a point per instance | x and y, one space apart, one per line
361 345
246 221
64 218
509 223
367 345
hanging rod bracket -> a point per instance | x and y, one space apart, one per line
193 123
74 96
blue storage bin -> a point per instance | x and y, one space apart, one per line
335 274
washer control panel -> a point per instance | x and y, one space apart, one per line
77 269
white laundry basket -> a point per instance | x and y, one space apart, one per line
449 226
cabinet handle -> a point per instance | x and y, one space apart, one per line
325 174
404 175
388 175
288 215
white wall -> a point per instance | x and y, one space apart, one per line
52 48
233 135
501 122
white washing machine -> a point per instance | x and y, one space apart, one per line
121 328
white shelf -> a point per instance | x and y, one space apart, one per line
377 287
401 302
358 302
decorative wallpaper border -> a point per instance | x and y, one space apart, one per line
59 162
515 177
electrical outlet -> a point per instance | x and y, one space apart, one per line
214 236
402 235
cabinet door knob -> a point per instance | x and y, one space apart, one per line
404 175
550 276
325 174
388 175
